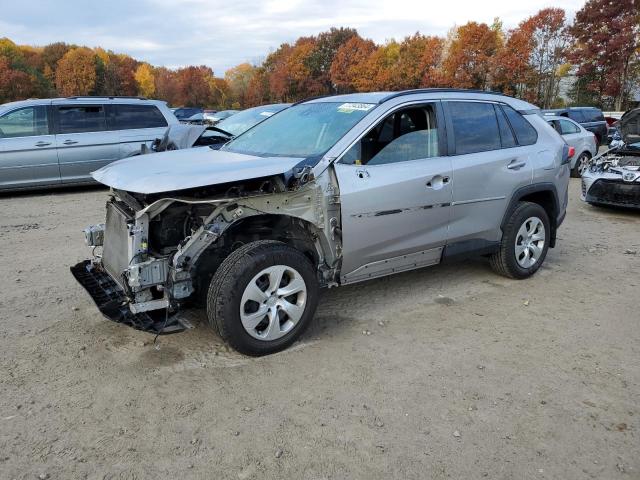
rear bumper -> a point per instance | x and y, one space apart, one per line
113 303
616 193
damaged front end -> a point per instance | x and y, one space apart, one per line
165 235
613 177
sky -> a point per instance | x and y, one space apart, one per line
222 34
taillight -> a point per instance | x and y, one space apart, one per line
572 152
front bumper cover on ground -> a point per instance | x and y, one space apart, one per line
113 303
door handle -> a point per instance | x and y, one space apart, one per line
437 182
516 165
42 144
362 173
69 142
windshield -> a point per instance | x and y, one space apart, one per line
243 121
186 112
304 130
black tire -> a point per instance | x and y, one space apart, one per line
504 260
575 171
232 277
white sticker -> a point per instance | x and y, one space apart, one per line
266 114
351 107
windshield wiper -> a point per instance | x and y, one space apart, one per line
224 132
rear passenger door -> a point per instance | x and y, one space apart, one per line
27 149
84 141
489 164
136 124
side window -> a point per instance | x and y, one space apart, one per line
577 116
506 134
81 118
408 134
25 122
525 133
568 127
138 116
475 127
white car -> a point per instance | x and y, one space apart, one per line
577 137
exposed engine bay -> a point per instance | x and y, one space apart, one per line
162 248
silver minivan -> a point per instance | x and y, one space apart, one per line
58 142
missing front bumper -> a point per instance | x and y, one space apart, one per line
114 304
614 193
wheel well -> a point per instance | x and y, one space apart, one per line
293 231
547 200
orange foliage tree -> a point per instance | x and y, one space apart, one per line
76 72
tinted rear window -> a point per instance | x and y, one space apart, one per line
525 133
577 115
475 127
81 118
593 115
138 116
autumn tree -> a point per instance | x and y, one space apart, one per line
607 48
548 52
319 60
469 58
194 88
166 84
14 84
238 80
76 72
145 80
350 62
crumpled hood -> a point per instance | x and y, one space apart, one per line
629 126
190 168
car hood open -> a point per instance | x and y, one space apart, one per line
190 168
629 126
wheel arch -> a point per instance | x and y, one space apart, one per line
545 195
290 230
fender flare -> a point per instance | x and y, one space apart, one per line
522 192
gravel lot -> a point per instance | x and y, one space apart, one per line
447 372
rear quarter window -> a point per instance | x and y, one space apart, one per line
138 116
524 131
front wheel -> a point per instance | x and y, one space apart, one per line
262 297
525 242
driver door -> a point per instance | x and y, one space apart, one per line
396 193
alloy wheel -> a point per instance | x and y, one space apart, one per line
273 302
530 242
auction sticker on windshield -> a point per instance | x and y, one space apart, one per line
352 107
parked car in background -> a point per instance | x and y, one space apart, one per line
214 118
590 118
187 136
583 141
328 192
56 142
613 178
184 113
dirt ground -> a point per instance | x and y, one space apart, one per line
446 372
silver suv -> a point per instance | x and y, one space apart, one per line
57 142
328 192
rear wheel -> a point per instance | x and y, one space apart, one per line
581 165
525 242
262 297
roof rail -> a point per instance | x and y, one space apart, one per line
437 90
110 97
308 99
